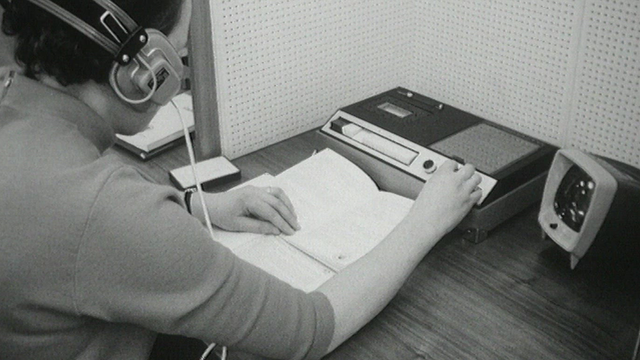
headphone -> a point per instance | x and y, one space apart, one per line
145 62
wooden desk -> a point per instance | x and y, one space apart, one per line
510 297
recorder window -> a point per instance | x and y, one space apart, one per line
394 110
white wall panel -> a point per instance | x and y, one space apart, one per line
509 61
285 66
606 110
564 71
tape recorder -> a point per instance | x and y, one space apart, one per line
400 137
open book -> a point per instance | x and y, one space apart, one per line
342 213
164 130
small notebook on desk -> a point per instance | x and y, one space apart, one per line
342 213
164 131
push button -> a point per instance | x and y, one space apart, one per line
429 166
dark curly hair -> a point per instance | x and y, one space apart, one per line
45 45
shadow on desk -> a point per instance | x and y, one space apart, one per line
170 347
614 276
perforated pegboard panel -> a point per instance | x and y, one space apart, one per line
509 61
606 111
563 71
285 66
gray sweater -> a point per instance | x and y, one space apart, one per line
95 260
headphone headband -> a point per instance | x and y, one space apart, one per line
122 16
145 61
127 37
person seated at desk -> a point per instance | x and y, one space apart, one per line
96 260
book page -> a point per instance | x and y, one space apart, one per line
343 237
324 184
277 257
342 213
274 254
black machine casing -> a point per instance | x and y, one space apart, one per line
400 137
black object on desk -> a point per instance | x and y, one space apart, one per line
400 137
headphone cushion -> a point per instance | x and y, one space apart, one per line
157 68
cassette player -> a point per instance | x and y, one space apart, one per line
400 138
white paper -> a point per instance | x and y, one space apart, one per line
165 125
342 213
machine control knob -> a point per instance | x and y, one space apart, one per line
429 166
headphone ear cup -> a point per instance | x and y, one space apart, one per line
121 80
155 74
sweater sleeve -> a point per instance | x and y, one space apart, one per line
145 260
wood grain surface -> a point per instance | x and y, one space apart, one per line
512 296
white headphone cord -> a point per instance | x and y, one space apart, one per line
206 353
114 83
192 160
635 349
